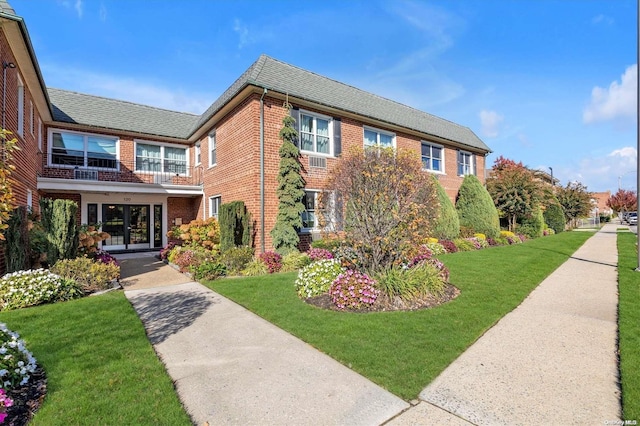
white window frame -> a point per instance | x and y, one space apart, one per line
442 162
467 168
31 116
379 132
215 201
315 116
197 154
85 136
213 148
328 210
162 157
20 130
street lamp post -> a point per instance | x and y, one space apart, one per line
551 169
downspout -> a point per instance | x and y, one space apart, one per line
262 246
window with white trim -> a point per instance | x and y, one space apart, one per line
315 133
432 157
82 149
20 107
212 149
374 138
321 211
160 158
214 206
198 154
465 163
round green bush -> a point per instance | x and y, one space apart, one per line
316 278
554 217
35 287
476 209
294 260
89 274
446 225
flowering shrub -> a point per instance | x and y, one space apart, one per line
190 256
35 287
90 275
317 277
5 402
478 243
423 253
164 253
204 233
16 362
548 231
237 258
319 254
88 239
105 257
449 246
273 261
353 290
480 236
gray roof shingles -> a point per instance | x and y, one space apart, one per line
271 74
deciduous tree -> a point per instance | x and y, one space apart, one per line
575 201
623 201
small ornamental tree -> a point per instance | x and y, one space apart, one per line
7 148
476 209
389 203
575 201
446 225
515 190
623 201
290 191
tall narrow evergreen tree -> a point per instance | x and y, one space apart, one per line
59 223
446 226
290 191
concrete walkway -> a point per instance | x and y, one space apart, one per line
551 360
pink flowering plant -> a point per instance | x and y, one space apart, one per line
5 402
353 290
319 254
273 261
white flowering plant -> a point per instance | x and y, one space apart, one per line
16 362
35 287
316 278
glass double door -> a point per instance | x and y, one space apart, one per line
128 226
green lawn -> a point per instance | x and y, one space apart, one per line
101 369
404 351
629 325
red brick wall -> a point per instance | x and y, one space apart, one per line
181 207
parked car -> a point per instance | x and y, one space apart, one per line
632 218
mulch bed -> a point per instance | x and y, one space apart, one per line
27 399
384 304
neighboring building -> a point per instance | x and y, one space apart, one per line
140 170
599 200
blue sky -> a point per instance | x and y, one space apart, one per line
548 83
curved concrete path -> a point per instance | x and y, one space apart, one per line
551 360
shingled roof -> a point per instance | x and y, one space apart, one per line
281 77
78 108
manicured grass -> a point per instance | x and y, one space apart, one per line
405 351
629 325
100 366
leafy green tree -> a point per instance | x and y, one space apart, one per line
575 201
389 203
515 190
61 227
476 209
533 225
290 191
446 225
554 216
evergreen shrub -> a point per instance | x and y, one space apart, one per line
476 209
554 217
60 225
235 225
446 225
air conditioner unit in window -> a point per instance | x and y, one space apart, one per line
85 174
318 162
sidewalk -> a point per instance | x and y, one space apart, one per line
551 360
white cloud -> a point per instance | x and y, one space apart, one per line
618 102
78 7
603 173
242 31
140 90
490 121
602 19
102 13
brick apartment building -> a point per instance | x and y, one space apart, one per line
139 170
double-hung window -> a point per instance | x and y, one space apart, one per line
465 163
315 131
310 201
212 149
160 158
432 156
374 138
214 206
327 216
83 150
198 154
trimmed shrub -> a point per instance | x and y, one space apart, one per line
353 290
554 217
59 223
446 225
190 256
532 226
208 270
236 259
35 287
17 241
319 254
476 209
91 276
294 261
17 363
317 277
273 261
235 225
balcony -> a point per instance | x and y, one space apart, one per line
162 172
